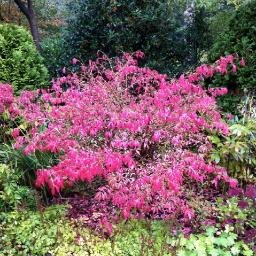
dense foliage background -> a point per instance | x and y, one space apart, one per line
160 29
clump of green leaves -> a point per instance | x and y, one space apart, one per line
33 233
12 194
141 238
237 152
20 63
25 166
240 212
213 242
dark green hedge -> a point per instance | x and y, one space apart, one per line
155 27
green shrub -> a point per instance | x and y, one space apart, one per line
155 27
229 103
53 53
16 159
133 238
20 63
237 152
239 37
12 194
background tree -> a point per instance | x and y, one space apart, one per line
27 8
49 15
155 27
196 33
237 37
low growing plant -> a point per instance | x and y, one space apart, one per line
33 233
238 209
12 194
213 242
49 232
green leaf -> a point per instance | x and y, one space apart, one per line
211 231
235 249
214 252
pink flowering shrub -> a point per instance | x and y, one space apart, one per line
144 134
6 105
6 97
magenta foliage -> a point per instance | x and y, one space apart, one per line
249 192
6 97
146 135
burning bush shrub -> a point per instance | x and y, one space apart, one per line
145 135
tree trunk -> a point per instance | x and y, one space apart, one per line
28 10
34 27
